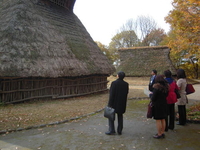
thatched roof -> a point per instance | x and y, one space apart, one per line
140 61
68 4
40 38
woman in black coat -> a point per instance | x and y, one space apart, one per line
160 93
117 100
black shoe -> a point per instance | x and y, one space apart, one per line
171 128
178 123
158 137
119 133
163 135
109 133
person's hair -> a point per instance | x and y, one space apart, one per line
154 71
160 79
167 73
121 75
181 73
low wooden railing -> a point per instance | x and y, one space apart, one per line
17 90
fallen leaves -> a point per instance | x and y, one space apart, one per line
35 113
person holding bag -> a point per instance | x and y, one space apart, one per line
171 100
160 93
181 83
117 100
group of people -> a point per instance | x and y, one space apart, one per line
162 94
163 99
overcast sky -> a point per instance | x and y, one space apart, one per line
103 18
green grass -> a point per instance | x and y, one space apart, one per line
193 113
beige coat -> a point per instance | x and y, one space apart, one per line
181 83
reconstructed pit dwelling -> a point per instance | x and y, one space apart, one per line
46 52
140 61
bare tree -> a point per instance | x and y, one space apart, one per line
126 36
128 26
144 26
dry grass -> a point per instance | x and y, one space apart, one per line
133 81
47 111
194 112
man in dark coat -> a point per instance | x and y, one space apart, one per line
152 81
117 100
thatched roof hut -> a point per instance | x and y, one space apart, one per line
140 61
39 38
45 39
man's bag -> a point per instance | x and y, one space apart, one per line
189 89
109 113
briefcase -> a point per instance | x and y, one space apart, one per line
109 113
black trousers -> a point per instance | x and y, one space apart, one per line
182 114
170 117
112 124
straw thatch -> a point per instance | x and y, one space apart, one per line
46 52
40 38
140 61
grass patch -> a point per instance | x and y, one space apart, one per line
145 101
193 113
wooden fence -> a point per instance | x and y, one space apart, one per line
22 89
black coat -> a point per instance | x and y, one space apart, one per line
159 102
151 83
118 95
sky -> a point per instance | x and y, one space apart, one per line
103 18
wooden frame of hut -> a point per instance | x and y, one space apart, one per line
140 61
46 52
